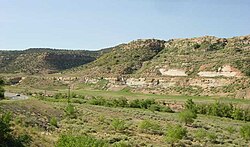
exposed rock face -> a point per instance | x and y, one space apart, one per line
209 82
226 71
180 85
132 82
243 94
173 72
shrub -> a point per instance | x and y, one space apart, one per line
166 109
145 104
73 95
53 122
25 139
237 114
101 119
1 82
6 137
187 116
155 107
190 105
1 89
80 141
231 129
70 111
212 137
247 72
245 132
98 101
135 103
120 102
215 109
175 133
224 110
200 134
196 46
1 92
5 127
150 127
118 124
60 95
122 144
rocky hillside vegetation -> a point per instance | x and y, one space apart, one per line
197 66
43 60
124 59
176 57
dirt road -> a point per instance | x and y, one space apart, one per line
15 96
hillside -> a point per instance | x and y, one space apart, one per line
124 59
147 57
43 60
207 66
197 66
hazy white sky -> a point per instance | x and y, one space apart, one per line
95 24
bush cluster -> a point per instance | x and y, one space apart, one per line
123 102
6 137
220 110
80 141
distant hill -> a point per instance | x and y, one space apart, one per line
44 60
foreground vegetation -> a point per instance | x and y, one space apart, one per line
122 119
120 122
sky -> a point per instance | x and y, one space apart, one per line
96 24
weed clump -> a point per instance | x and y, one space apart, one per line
53 122
245 132
118 125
